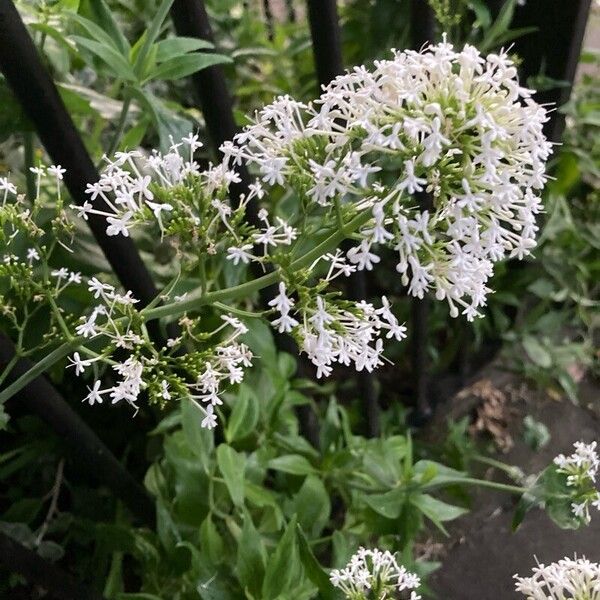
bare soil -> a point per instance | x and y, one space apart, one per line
482 553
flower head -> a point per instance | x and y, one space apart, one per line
567 579
374 574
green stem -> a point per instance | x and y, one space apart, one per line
494 485
11 363
245 290
176 309
120 126
512 471
238 311
37 369
28 159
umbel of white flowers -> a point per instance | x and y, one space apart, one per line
450 124
375 574
567 579
581 469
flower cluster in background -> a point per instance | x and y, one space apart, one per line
580 470
375 574
567 579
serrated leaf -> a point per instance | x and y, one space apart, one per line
232 465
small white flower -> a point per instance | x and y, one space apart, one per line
95 394
79 364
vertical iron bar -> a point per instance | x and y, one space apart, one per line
554 46
41 397
423 32
16 558
269 19
422 23
37 94
327 50
191 20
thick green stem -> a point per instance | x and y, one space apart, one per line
245 290
175 309
37 369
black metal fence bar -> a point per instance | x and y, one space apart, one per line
553 48
16 558
423 32
326 39
37 94
41 398
191 19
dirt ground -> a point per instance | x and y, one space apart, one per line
483 553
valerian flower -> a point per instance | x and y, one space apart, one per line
375 574
567 579
580 470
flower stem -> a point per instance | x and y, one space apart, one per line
250 287
494 485
38 369
120 126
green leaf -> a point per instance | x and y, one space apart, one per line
210 541
182 66
99 34
536 352
282 568
200 439
482 12
293 464
500 25
108 23
177 46
436 510
251 557
151 34
115 61
232 466
313 569
312 506
244 415
388 504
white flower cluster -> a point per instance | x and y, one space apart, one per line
332 333
454 126
374 574
182 199
567 579
147 368
581 469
